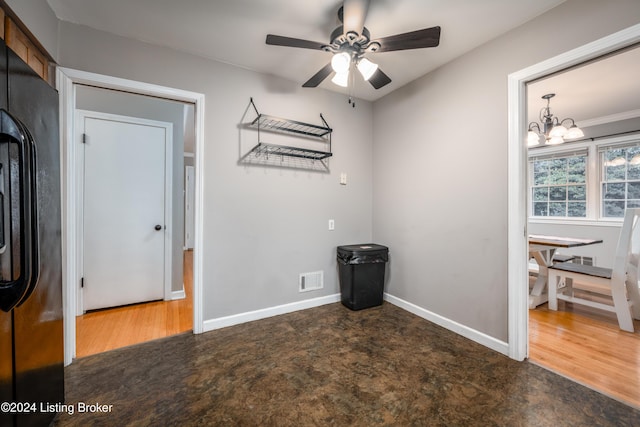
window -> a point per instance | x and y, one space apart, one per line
592 180
559 185
620 179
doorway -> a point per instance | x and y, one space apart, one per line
517 188
568 198
69 82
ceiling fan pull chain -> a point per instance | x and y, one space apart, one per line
350 87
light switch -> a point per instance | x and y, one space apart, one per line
332 224
343 178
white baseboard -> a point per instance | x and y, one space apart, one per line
236 319
178 294
465 331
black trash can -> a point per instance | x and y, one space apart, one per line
361 273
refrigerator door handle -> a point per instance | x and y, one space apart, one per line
15 290
3 245
31 203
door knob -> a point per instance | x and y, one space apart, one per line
158 227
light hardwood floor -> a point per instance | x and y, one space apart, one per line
587 346
104 330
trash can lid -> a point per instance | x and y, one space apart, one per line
366 253
364 248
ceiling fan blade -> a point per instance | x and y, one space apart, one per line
291 42
379 79
353 15
428 37
319 76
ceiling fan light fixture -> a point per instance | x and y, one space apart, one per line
341 79
366 68
341 62
351 40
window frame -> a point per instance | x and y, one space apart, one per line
559 155
602 149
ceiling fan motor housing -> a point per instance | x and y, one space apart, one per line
353 43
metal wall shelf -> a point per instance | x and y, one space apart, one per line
264 149
264 122
277 124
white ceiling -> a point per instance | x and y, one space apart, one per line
234 31
602 91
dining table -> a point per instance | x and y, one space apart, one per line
542 248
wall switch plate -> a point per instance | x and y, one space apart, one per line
343 178
332 224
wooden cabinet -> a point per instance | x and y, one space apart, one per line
25 49
2 24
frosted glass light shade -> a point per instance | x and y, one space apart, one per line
532 139
574 132
555 140
340 62
367 68
341 79
558 131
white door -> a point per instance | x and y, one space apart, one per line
189 198
123 210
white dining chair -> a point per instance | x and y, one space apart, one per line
612 289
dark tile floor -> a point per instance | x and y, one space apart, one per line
329 366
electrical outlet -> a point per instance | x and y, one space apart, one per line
332 225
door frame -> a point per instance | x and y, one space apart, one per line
188 219
517 175
168 192
67 79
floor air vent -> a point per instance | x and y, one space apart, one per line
311 281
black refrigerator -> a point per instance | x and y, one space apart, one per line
31 332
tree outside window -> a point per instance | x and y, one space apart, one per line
559 187
620 180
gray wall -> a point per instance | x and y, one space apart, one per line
145 107
440 156
263 226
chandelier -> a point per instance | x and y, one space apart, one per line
553 130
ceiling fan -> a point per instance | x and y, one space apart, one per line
352 40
